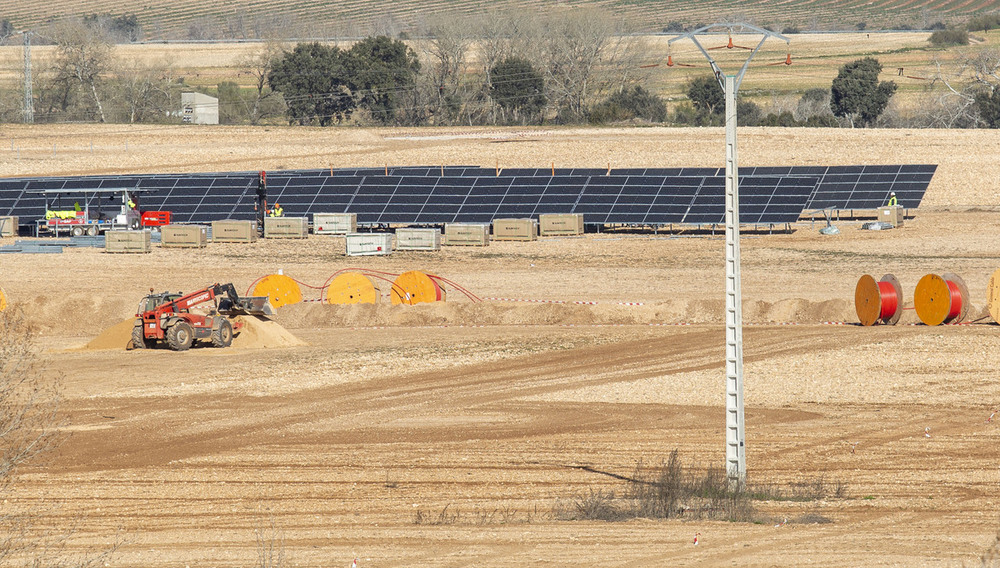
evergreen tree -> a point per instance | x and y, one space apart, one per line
383 72
517 88
315 81
857 94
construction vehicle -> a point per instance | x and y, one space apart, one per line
167 317
93 211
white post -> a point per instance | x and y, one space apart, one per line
29 104
736 466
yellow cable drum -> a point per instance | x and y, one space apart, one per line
3 300
352 288
415 287
280 289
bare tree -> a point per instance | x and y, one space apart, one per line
83 57
963 78
585 52
265 102
144 92
451 38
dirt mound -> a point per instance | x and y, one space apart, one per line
257 333
499 313
118 336
262 333
76 313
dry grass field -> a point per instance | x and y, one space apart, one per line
816 60
452 434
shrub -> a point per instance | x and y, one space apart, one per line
950 37
984 23
628 104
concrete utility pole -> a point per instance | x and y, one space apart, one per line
736 466
29 105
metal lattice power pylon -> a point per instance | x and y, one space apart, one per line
736 468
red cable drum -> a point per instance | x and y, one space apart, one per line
880 301
941 299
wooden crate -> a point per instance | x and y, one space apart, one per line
127 241
560 224
286 228
892 215
232 231
184 236
467 234
515 230
369 244
335 223
8 226
418 239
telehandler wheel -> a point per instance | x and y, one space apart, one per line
223 337
180 336
139 340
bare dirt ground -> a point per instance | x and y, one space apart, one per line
485 411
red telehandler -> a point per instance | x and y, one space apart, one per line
167 317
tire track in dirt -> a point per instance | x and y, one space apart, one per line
154 431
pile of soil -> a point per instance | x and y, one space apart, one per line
257 333
118 336
314 315
261 333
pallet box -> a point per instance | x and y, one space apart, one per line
128 241
184 236
892 215
286 228
467 234
335 223
369 244
560 224
232 231
418 239
515 230
8 227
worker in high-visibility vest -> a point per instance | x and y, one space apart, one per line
892 199
277 211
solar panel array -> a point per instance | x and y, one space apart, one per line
416 199
422 195
839 187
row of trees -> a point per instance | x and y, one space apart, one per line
506 69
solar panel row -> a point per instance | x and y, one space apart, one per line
421 195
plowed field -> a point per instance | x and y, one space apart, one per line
447 435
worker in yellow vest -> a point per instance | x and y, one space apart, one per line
892 199
277 211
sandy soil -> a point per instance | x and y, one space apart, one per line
388 414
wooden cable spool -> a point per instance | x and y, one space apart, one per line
993 295
352 288
280 289
415 287
941 299
880 301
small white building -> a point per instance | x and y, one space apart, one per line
197 108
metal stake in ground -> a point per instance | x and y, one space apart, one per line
735 436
